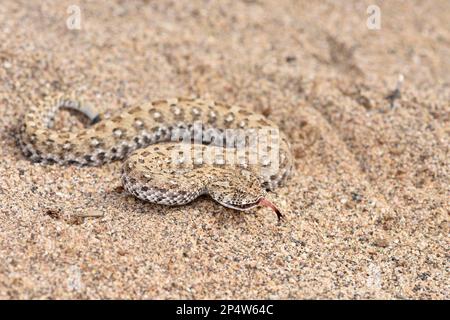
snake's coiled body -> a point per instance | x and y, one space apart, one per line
164 170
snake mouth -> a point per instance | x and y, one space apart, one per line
261 201
240 207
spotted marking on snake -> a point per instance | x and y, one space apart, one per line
143 136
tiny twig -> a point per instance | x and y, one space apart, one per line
396 94
90 215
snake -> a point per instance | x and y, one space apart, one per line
172 150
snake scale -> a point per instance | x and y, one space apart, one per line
159 166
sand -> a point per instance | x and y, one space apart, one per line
366 211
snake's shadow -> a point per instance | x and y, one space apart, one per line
218 213
201 207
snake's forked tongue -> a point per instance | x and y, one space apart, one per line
267 203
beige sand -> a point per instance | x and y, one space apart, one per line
367 211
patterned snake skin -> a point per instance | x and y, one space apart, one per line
186 148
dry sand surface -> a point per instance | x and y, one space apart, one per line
366 210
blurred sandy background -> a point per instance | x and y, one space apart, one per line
367 210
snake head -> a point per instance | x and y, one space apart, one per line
240 192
